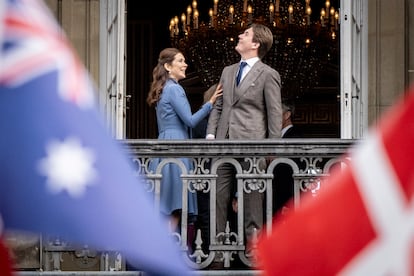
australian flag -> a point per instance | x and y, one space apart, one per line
61 173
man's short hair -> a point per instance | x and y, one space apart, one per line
286 106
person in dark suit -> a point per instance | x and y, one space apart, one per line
251 108
288 129
283 180
200 130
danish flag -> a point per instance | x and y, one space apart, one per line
363 222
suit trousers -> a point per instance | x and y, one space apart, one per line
253 202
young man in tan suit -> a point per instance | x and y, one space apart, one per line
250 109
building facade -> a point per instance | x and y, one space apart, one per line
376 60
376 69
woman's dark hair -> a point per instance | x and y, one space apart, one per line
160 74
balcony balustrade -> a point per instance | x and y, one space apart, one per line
310 162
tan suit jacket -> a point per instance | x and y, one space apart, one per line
251 110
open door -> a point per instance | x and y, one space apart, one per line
354 62
112 58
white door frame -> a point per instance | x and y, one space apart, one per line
112 65
354 68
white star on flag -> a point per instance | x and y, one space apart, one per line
68 166
73 166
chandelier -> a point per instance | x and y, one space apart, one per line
305 42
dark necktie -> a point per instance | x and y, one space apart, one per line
239 75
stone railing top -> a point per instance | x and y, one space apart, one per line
267 147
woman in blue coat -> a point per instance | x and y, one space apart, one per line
174 118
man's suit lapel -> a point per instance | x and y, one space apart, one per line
247 82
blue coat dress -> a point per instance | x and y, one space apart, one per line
175 118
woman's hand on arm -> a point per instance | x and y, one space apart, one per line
217 93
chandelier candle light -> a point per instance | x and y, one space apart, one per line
304 43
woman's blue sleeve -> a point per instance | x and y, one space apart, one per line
182 107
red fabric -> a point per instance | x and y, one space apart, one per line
6 267
398 138
328 231
322 236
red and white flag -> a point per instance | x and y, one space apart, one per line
363 222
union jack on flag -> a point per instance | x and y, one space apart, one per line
61 172
363 222
33 44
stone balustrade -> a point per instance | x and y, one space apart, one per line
309 161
